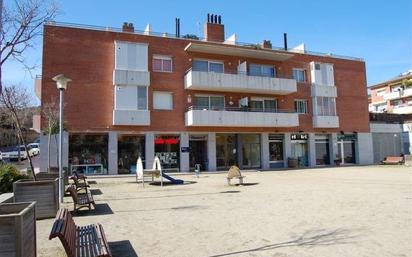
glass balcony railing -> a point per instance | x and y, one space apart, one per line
238 109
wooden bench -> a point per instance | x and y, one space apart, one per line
79 241
234 172
80 182
81 200
393 160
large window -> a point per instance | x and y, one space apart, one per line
263 105
162 63
129 149
299 75
262 70
131 98
301 106
162 100
167 148
210 102
326 106
322 150
208 66
88 153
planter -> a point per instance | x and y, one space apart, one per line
292 162
52 175
18 229
45 193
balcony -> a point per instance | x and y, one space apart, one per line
131 117
407 92
239 117
402 109
131 77
392 95
326 91
238 82
325 121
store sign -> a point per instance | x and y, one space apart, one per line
184 149
299 136
167 141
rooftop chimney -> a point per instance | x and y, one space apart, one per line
127 27
285 41
267 44
214 29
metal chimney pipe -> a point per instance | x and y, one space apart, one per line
220 19
208 17
285 41
216 18
178 25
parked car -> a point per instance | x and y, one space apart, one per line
34 149
13 153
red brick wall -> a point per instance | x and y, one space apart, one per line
214 32
87 57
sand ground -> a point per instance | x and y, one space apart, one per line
346 211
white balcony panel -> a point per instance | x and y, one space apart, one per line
392 95
407 92
131 117
402 110
325 121
130 77
327 91
204 118
213 81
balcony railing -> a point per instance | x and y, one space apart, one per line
238 109
202 116
172 35
239 81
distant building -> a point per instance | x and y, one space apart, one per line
392 96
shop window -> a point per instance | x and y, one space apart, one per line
167 148
88 153
322 150
129 149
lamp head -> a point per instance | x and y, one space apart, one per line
61 81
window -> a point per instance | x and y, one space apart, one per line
262 70
131 98
162 63
162 100
397 103
301 106
299 75
326 106
215 103
263 105
208 66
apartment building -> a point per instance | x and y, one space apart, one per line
211 101
393 96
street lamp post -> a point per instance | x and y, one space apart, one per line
61 82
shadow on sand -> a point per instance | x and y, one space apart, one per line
122 249
318 237
101 209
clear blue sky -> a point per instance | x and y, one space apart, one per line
378 31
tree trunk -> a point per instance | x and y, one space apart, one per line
20 132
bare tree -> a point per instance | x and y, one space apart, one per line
20 24
16 102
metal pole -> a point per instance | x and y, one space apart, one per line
61 184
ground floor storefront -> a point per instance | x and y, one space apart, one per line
116 152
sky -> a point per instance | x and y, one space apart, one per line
378 31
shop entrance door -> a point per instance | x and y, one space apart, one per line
346 152
250 151
198 153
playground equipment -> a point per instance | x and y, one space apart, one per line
156 171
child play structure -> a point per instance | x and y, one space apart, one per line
156 171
